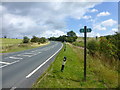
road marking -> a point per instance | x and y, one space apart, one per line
29 53
30 74
5 58
4 62
15 58
32 51
9 64
18 55
13 88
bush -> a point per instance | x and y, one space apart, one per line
107 48
80 43
41 40
93 47
34 39
26 39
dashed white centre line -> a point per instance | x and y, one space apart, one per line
9 64
27 55
15 58
32 51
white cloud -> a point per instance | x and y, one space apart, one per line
103 25
103 14
44 18
115 30
93 10
86 17
54 33
99 27
109 22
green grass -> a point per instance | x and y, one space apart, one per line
7 41
78 43
98 76
17 48
15 45
82 38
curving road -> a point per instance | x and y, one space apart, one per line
21 69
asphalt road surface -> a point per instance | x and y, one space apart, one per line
21 69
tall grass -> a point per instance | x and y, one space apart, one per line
98 75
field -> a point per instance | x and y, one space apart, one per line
14 45
98 75
9 42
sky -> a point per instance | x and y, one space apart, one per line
47 19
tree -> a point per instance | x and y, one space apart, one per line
5 36
34 39
26 39
71 37
52 38
71 34
42 40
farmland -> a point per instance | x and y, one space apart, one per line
14 45
8 42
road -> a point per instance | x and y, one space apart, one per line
21 69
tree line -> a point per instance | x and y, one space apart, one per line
34 39
70 37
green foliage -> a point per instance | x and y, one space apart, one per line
78 43
115 41
34 39
109 46
70 38
71 34
93 46
72 76
52 38
39 40
42 40
26 39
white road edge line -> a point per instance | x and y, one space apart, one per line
43 63
9 64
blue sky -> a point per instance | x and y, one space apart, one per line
46 19
111 7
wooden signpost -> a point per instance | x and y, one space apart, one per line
85 30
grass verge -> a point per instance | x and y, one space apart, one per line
98 76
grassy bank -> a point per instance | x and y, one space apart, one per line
14 45
98 75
